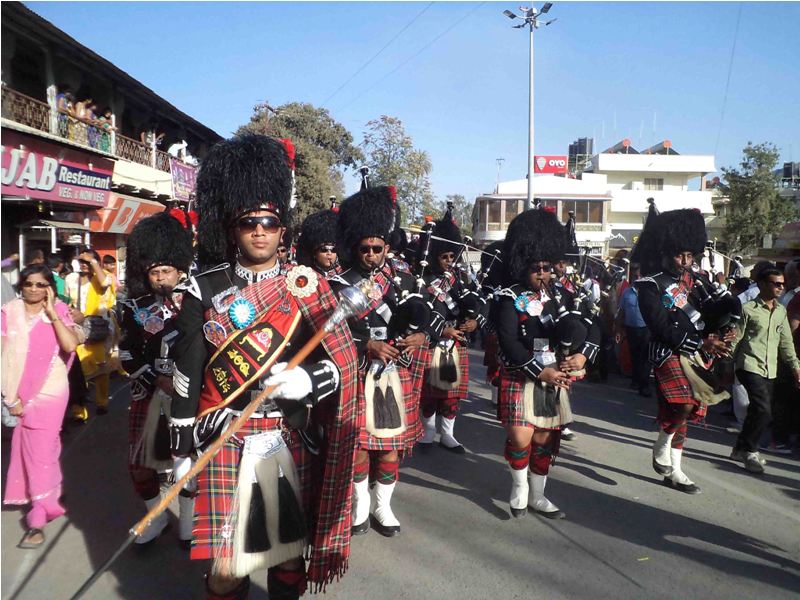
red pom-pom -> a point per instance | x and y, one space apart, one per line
428 218
194 217
393 194
335 209
287 143
550 209
179 215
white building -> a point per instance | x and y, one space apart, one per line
609 197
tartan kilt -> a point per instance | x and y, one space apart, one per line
419 364
216 485
137 415
510 404
407 439
672 387
441 401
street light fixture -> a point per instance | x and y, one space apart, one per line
530 17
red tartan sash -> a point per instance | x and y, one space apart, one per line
248 353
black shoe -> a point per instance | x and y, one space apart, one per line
360 529
101 410
681 487
385 530
518 513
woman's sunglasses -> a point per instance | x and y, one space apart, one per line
327 248
39 285
250 224
366 249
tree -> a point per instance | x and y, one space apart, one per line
393 160
755 207
323 149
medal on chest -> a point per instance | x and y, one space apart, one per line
214 332
530 304
153 324
242 313
675 296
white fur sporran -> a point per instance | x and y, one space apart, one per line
264 457
377 390
545 406
440 355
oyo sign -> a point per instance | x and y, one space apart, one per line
549 164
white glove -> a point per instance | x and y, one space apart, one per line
294 384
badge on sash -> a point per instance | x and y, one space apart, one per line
214 332
140 315
242 313
302 281
534 307
153 324
376 292
521 303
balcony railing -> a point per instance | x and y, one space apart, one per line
45 116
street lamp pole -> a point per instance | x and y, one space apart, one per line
530 18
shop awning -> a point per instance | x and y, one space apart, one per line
47 224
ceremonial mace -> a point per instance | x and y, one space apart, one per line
353 300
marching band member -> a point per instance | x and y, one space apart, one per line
462 309
543 343
316 247
385 336
672 298
159 256
279 490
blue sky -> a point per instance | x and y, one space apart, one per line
608 70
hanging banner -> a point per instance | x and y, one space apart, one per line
33 168
184 179
122 213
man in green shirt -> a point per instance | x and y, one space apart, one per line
56 264
763 338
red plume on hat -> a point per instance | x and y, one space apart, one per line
290 151
393 194
179 215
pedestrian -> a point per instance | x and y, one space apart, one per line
533 322
92 298
385 338
110 267
462 310
637 334
763 339
39 343
56 265
159 254
280 489
672 298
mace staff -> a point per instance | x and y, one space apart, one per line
353 300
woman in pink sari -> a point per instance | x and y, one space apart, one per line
38 345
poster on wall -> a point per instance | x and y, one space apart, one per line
36 169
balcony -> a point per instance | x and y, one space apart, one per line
635 201
45 117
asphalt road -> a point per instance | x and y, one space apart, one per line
625 536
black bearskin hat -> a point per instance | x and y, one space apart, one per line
156 240
317 229
533 235
239 175
668 234
446 229
368 213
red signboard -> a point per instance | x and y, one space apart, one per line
34 168
122 213
549 164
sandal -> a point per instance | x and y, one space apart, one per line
27 544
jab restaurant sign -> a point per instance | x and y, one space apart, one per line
549 164
33 168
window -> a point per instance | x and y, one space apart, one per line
494 223
512 210
652 184
586 211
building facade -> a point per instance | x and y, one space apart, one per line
608 196
83 145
